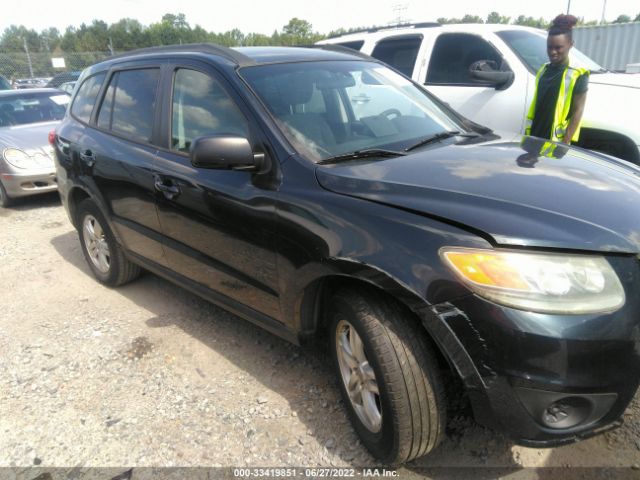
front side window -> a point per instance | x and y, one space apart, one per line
453 55
202 107
335 107
399 52
129 104
86 97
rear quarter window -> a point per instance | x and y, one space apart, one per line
399 52
86 97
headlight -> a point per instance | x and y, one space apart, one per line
538 282
17 158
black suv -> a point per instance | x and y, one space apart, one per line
318 191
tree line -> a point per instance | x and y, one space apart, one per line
26 53
128 34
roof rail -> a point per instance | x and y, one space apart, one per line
211 48
390 27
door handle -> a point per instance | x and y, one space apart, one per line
88 157
168 188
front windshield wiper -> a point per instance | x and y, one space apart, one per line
368 153
439 136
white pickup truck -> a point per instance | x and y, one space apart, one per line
487 73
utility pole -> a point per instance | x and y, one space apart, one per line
399 9
26 49
604 7
568 6
110 45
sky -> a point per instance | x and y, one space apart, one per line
266 16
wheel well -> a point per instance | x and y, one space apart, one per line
609 142
76 196
313 315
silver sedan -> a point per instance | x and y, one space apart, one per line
26 158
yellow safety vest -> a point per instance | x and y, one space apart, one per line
563 105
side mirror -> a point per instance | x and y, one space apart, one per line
487 71
227 152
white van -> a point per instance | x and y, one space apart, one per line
487 73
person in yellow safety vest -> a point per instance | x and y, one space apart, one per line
561 90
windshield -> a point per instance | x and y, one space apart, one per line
532 49
25 108
331 108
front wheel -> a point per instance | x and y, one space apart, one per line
100 249
389 377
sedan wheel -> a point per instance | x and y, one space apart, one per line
5 200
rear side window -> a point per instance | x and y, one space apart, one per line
86 97
129 104
399 52
452 56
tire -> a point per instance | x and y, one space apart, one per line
101 251
5 200
397 359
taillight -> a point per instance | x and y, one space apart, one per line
52 137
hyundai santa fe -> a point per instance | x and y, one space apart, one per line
320 194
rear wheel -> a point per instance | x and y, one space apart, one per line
389 376
5 199
103 254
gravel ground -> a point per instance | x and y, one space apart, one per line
149 375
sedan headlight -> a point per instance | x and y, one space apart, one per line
538 282
17 158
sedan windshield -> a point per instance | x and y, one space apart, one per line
32 107
532 49
334 108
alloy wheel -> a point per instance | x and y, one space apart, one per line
95 242
358 376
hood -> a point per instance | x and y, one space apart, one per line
574 199
631 80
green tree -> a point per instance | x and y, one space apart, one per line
531 22
471 19
495 17
622 19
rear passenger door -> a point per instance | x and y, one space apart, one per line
217 224
117 152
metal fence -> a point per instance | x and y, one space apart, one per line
14 66
613 46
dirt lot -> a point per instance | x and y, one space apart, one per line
151 375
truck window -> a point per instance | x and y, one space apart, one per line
399 52
355 45
452 56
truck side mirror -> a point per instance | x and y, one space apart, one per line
487 71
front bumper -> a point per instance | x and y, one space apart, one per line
544 380
22 185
